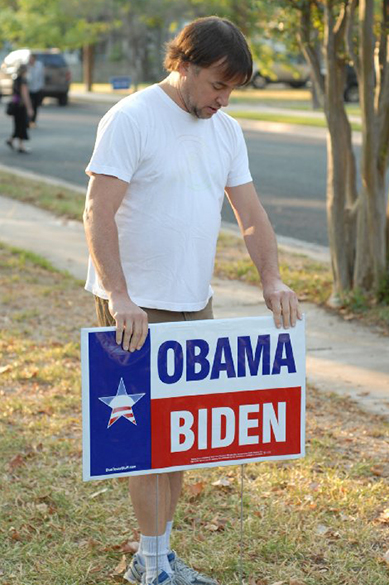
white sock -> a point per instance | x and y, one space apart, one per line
169 526
148 552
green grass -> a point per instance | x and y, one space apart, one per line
285 119
321 520
311 280
59 200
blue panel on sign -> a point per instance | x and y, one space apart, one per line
121 82
120 433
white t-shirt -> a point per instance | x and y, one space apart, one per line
177 167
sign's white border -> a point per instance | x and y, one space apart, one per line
264 323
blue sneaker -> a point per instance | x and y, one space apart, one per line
136 570
162 579
184 575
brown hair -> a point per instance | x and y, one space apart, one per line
206 41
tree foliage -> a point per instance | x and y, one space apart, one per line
67 24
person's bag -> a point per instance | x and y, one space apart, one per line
11 108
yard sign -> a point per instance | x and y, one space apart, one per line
198 394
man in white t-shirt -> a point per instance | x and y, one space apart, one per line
162 161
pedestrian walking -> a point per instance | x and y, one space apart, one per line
36 80
163 159
21 110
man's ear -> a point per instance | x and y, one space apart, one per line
183 68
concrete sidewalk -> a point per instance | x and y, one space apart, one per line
343 357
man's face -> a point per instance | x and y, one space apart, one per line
204 90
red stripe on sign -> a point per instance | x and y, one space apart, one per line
121 409
130 417
190 430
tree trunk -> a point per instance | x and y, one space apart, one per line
371 244
341 189
88 64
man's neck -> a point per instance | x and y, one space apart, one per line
171 86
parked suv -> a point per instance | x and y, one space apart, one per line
279 66
56 70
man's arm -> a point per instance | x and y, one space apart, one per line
261 244
104 197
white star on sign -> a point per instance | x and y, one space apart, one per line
121 404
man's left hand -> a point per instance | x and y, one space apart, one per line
284 303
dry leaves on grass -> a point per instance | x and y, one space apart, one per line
223 482
383 518
195 489
253 581
16 462
216 524
120 569
5 369
127 546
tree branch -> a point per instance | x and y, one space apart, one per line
381 65
308 49
349 36
340 25
383 120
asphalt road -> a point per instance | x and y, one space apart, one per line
289 171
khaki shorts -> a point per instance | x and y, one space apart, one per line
105 318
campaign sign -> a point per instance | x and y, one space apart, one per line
198 394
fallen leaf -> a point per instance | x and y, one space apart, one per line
378 471
223 482
95 494
211 527
5 369
200 537
121 567
15 535
129 547
384 517
96 569
195 489
30 374
386 557
43 508
16 462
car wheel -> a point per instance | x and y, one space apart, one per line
258 81
351 94
297 84
63 99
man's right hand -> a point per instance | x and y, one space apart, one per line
131 322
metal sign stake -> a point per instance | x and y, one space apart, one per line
241 522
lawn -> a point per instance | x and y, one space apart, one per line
322 520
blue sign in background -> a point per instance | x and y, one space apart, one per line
123 443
